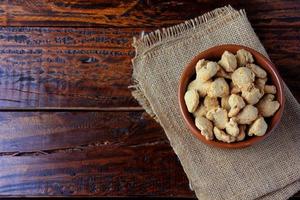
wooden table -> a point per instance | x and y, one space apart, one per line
69 125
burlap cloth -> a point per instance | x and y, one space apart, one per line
268 170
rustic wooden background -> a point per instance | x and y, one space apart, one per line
69 125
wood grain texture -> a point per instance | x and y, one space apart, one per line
91 67
101 171
43 67
45 131
137 13
87 153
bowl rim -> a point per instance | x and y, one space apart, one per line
187 116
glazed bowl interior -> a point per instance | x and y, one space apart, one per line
214 54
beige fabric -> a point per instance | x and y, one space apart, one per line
268 170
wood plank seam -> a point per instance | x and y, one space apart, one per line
63 109
79 148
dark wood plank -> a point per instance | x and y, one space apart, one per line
87 153
45 131
139 13
69 37
91 67
56 67
102 171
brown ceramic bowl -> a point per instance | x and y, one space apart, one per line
215 54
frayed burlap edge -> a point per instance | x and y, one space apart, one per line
147 42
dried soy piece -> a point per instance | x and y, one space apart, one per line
243 77
232 127
267 106
258 128
228 61
236 103
207 71
191 98
222 136
243 57
205 126
218 88
252 94
247 115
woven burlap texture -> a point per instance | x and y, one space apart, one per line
268 170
